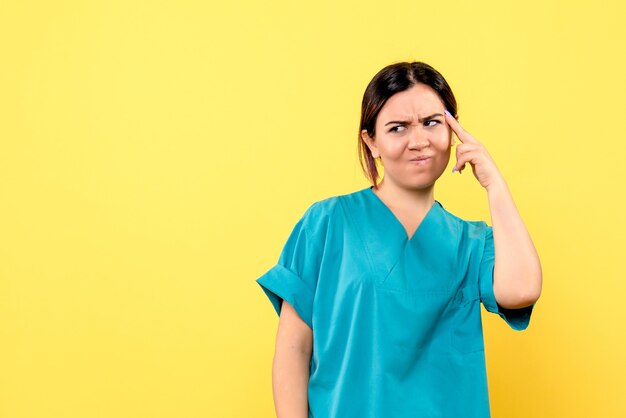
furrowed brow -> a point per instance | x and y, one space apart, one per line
406 122
429 117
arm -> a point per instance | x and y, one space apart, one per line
517 272
290 368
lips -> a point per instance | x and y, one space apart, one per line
420 160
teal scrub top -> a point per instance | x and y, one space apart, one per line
396 322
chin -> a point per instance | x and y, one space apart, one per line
420 185
424 181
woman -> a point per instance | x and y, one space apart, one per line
379 291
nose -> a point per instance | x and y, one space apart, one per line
418 138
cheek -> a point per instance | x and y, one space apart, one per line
396 149
443 144
446 137
443 150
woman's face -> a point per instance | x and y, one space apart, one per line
412 138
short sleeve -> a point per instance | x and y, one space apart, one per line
518 319
294 277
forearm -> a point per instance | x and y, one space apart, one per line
290 378
517 270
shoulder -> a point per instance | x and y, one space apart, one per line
472 229
321 208
329 206
320 215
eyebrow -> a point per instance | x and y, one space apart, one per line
425 118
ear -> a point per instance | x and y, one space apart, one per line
371 144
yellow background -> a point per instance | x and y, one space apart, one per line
155 155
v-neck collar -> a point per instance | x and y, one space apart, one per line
384 238
436 205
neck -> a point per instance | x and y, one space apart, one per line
405 198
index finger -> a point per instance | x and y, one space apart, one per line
461 133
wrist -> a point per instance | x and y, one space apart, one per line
497 185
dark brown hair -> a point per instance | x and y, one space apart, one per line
390 80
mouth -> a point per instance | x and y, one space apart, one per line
422 159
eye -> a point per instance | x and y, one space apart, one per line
398 128
432 120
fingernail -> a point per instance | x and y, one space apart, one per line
453 169
447 113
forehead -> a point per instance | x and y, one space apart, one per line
418 101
